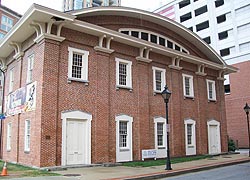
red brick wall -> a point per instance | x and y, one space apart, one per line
235 102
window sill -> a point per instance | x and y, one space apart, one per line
124 87
189 97
212 100
86 82
157 92
8 150
26 151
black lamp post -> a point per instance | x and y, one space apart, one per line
166 95
246 109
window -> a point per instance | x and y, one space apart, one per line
219 3
162 41
221 18
123 133
2 35
27 136
184 3
170 44
9 130
190 28
30 68
144 36
123 73
135 34
190 137
159 79
188 85
211 93
178 48
223 35
200 11
160 132
224 52
153 38
202 26
189 134
227 84
185 17
11 82
207 40
78 65
6 23
125 32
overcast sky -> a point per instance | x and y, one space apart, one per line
21 6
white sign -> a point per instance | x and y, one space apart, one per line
149 153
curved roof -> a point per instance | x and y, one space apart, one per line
157 19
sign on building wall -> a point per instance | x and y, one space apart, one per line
149 153
22 100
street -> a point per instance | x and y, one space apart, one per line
235 172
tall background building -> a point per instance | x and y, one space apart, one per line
79 4
8 18
225 25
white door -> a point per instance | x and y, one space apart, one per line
124 138
214 145
75 144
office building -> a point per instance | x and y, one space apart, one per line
79 4
224 25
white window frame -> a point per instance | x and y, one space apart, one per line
27 135
9 132
191 83
213 90
193 137
30 67
11 80
163 79
156 121
84 72
128 71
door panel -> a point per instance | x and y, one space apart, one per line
75 142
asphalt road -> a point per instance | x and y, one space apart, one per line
235 172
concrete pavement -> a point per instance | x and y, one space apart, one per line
121 172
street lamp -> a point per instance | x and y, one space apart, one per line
166 95
246 109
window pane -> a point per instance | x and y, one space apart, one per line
200 11
202 26
184 3
158 80
123 133
77 66
189 133
160 134
122 74
170 44
223 35
125 32
177 48
207 40
224 52
144 36
135 34
219 3
162 41
221 18
187 86
153 38
185 17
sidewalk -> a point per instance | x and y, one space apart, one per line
121 172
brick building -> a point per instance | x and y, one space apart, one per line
237 95
84 87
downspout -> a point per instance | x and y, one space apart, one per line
2 109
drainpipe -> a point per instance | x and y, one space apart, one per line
2 103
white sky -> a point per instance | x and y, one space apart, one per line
21 6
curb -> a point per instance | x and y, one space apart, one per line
181 171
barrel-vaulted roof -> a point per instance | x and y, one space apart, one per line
22 30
